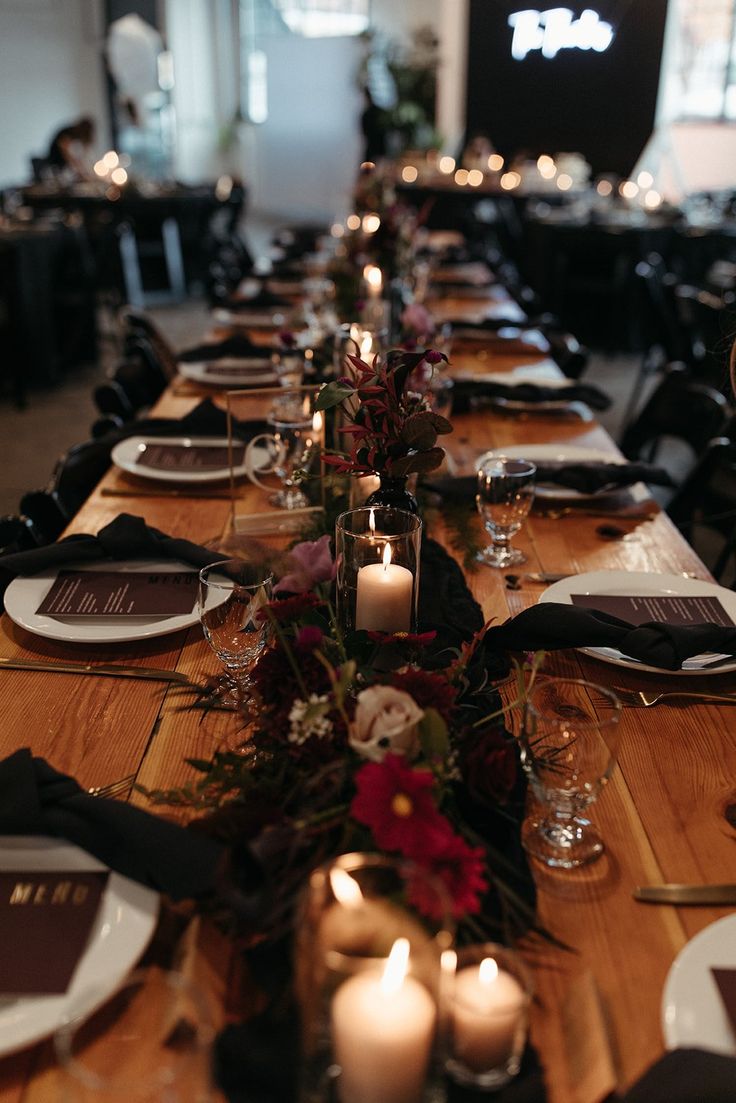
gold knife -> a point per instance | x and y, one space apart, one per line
686 894
109 670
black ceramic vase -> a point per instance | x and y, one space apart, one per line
392 494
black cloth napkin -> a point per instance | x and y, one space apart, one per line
35 799
587 478
687 1076
551 627
127 537
262 300
205 420
466 389
236 347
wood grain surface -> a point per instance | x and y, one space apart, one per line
663 815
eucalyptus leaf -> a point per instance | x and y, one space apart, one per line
433 735
332 394
419 431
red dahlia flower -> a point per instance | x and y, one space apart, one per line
397 804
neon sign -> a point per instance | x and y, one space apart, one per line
557 29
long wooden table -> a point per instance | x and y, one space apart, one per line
666 815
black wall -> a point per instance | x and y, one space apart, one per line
598 104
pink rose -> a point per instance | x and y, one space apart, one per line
310 563
385 722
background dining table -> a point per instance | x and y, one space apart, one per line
667 815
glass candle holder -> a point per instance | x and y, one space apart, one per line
371 935
487 1016
377 557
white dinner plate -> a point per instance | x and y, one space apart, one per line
202 372
120 933
255 319
25 593
692 1010
640 583
129 455
557 453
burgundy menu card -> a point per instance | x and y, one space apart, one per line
183 457
664 608
726 981
121 593
45 919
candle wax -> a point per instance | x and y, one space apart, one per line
485 1018
382 1041
384 598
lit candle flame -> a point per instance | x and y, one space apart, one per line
317 423
372 522
345 888
386 556
366 344
488 971
396 966
373 276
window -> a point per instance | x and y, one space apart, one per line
324 18
700 77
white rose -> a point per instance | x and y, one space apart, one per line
385 720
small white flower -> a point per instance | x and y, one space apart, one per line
308 719
385 720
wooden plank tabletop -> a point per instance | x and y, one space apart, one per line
666 815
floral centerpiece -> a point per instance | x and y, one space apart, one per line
388 419
367 742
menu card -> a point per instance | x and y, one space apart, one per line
229 367
726 981
46 919
664 608
121 593
183 457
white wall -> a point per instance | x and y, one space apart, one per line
50 74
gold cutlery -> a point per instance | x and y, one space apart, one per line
125 492
686 894
108 670
641 699
113 788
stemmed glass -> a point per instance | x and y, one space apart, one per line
504 497
568 751
289 448
232 595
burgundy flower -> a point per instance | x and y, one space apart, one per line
397 804
434 356
430 690
308 637
461 869
288 609
488 766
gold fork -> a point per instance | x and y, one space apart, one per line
642 699
113 788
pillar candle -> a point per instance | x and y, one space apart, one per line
382 1037
384 596
487 1009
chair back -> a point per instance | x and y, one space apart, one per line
680 407
704 507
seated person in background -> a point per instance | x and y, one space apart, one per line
69 148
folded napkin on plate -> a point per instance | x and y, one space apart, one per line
37 800
466 389
587 478
127 537
687 1076
263 299
551 627
205 420
231 348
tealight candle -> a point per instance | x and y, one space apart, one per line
487 1009
384 596
382 1031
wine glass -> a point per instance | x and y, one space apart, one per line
150 1042
504 498
231 600
568 751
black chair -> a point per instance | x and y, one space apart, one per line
112 401
104 425
679 408
711 321
17 534
75 476
139 326
704 507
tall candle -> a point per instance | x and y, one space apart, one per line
382 1030
487 1008
384 596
